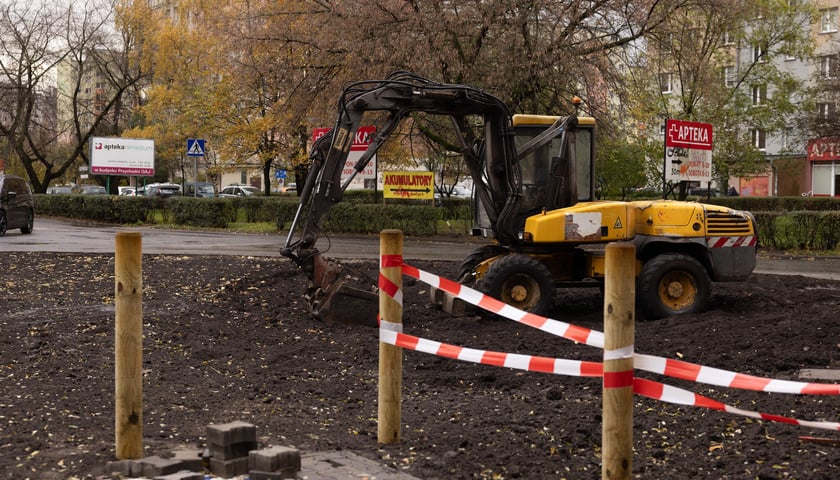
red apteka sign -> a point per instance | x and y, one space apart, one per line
361 141
683 134
825 148
688 151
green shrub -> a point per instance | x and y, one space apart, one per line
201 212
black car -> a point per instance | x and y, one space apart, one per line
17 208
163 190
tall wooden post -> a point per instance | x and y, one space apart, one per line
390 356
619 334
128 370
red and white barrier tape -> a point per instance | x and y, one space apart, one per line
679 396
724 378
390 333
660 365
575 333
574 368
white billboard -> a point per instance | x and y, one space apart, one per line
122 156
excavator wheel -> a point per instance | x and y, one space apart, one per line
673 284
466 272
521 281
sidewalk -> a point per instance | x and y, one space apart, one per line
345 465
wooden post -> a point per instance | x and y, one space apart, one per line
619 333
390 356
128 345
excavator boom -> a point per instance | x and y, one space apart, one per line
489 151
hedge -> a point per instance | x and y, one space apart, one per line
806 223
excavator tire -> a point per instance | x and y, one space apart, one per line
521 281
467 268
672 284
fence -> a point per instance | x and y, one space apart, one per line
620 359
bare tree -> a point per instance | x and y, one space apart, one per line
64 78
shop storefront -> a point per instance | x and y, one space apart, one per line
824 160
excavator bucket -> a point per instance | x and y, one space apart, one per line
335 300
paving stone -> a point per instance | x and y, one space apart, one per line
190 458
181 475
232 451
229 468
155 466
280 475
345 465
126 468
274 459
231 433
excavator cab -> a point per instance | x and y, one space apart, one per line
549 178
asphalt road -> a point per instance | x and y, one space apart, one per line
51 235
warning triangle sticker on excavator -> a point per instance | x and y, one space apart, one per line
618 223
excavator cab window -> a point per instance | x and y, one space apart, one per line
545 173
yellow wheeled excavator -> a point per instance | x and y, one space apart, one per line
533 179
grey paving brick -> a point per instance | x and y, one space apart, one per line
230 433
155 466
229 468
232 451
181 475
190 458
274 458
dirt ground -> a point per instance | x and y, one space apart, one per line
229 338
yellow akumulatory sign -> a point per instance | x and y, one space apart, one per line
412 185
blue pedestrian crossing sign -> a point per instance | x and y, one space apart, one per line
195 147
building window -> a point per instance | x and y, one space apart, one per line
759 53
728 38
825 111
759 138
828 66
828 20
729 77
759 94
666 82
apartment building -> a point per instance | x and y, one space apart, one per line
799 154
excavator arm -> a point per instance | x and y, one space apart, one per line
490 157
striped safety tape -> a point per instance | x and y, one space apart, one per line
575 333
391 334
575 368
660 365
679 396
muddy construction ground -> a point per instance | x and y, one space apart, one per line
230 338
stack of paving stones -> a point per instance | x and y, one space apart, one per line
275 463
231 452
229 445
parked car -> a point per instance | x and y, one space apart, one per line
92 190
704 192
60 190
17 207
164 190
130 191
457 192
239 191
199 189
289 188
